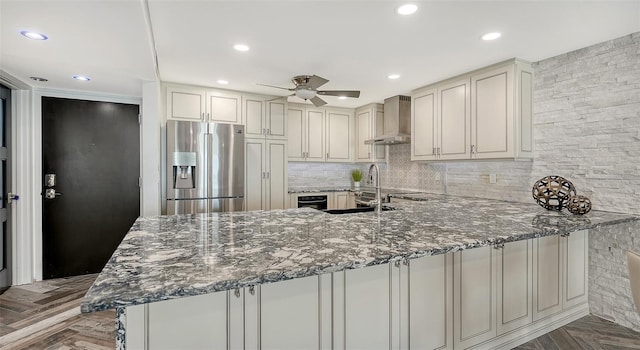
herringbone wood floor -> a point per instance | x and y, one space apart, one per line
46 315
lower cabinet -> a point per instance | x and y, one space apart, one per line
487 297
343 200
561 273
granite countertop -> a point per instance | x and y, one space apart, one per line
169 257
312 189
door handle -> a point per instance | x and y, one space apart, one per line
50 193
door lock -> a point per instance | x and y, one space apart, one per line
50 193
12 197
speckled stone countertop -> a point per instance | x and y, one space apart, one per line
312 189
169 257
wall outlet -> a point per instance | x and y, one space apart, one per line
493 178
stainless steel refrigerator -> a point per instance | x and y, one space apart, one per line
205 167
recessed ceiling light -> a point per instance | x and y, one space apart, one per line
393 76
241 47
342 97
491 36
39 79
222 81
81 77
33 35
407 9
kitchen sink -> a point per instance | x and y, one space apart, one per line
355 210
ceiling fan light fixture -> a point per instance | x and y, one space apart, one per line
81 77
407 9
305 93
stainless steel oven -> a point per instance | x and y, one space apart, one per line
315 202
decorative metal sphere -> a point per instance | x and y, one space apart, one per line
553 192
579 205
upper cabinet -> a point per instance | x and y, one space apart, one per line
485 114
264 118
200 104
319 134
185 103
369 120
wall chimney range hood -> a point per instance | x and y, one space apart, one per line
397 122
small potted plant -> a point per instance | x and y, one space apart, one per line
356 175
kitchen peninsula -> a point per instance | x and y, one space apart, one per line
405 278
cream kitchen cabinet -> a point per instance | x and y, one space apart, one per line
319 134
492 291
343 200
441 122
561 268
185 103
427 308
264 118
485 114
306 132
339 127
368 123
265 174
201 104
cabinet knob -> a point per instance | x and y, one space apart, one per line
472 149
498 246
236 292
268 131
252 290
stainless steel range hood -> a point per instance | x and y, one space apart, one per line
397 122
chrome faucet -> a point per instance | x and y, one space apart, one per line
378 201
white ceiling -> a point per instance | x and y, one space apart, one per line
354 44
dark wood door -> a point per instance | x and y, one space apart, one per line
5 188
93 149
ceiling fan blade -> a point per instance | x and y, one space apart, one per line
317 101
346 93
316 82
277 87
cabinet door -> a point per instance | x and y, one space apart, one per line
289 314
424 126
341 200
276 174
366 308
454 120
515 273
314 129
363 133
198 322
224 107
431 302
185 103
338 129
255 174
547 272
576 269
277 119
253 114
492 113
296 133
475 297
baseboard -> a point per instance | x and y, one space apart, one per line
522 335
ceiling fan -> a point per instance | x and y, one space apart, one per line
307 89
